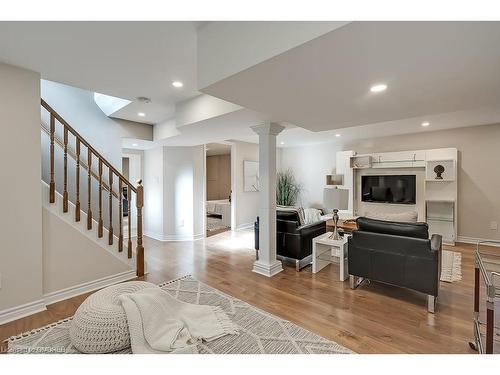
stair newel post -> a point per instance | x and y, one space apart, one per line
139 202
65 171
100 222
89 189
129 223
52 184
110 230
77 182
120 215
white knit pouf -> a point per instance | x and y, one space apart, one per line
100 324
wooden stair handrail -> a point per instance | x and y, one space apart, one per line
86 144
83 164
122 180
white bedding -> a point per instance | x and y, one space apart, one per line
220 207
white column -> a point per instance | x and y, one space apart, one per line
267 264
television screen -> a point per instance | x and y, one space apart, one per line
400 189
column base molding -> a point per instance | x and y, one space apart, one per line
266 269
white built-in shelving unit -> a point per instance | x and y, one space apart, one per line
439 196
441 193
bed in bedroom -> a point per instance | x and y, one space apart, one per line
222 208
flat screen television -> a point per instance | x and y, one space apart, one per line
398 189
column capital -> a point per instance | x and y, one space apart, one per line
270 128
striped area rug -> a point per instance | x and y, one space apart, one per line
259 331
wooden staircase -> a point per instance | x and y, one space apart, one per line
107 186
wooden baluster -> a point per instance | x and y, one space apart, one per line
89 189
65 191
139 203
110 229
120 214
52 184
100 222
129 223
77 205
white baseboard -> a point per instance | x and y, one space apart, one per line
18 312
244 226
90 286
174 237
34 307
474 240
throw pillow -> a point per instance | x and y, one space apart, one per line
312 215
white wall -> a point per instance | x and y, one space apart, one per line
245 204
310 165
72 256
20 198
135 130
78 108
165 129
183 189
174 199
153 192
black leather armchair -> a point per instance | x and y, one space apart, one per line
293 241
396 253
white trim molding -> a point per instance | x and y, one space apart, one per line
244 226
90 286
34 307
268 270
474 240
18 312
174 237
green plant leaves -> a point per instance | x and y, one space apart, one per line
287 188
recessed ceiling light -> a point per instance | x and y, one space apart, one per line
379 87
337 135
135 144
426 123
282 143
141 114
177 84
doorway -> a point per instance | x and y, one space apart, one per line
218 188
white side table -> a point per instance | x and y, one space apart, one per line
326 251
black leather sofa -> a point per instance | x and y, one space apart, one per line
396 253
293 241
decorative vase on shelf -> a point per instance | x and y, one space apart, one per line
439 169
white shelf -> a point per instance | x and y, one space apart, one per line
361 162
440 200
448 174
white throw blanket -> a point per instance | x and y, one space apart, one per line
158 323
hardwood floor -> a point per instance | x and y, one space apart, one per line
374 318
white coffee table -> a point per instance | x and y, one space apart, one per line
327 251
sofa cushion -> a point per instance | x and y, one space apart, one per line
312 215
291 213
415 230
403 217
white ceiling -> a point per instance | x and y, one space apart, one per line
430 68
299 136
122 59
444 72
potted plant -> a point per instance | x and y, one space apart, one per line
287 189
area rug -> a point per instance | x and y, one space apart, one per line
451 266
259 331
214 223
